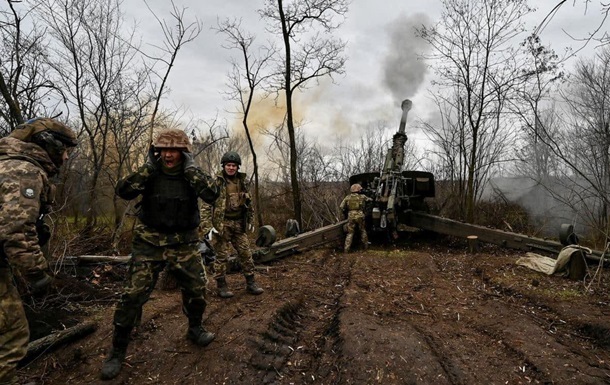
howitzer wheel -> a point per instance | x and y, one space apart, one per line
567 235
266 236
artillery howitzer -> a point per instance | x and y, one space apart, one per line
398 202
394 192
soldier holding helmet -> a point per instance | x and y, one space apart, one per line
170 185
29 156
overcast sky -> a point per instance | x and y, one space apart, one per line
364 93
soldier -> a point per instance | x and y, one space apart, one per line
29 156
231 215
354 205
166 236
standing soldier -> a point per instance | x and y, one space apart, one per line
29 156
232 214
354 205
166 235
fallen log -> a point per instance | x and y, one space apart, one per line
84 259
52 341
91 259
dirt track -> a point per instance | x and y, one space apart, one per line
411 314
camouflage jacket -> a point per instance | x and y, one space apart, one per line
134 185
25 195
214 214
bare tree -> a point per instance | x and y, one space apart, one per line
575 135
24 88
587 149
210 140
308 55
314 170
534 157
368 152
245 78
175 38
477 63
598 33
94 63
539 123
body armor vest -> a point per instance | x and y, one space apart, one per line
355 202
235 201
169 204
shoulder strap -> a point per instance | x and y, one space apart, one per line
20 157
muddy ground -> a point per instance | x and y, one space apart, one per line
424 311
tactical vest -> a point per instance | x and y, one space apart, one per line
235 199
355 202
169 204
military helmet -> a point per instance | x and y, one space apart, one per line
59 131
230 157
54 137
172 138
355 188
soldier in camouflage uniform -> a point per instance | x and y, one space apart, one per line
29 156
166 236
231 215
354 205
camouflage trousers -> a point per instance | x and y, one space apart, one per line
355 220
183 261
14 330
233 234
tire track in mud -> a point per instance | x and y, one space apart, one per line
302 337
412 352
435 320
388 315
519 326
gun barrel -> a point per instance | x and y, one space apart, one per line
406 107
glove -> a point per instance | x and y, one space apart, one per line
39 283
189 161
151 160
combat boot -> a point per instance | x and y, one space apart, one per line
223 289
198 334
252 287
112 365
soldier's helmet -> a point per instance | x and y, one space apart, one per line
355 188
230 157
54 137
172 138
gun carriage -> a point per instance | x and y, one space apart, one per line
399 201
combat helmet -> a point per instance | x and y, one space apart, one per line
172 138
230 157
54 137
355 188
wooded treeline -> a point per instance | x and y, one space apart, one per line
506 106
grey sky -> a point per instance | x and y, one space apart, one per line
376 75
